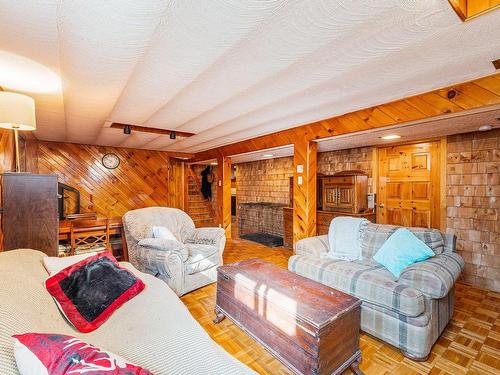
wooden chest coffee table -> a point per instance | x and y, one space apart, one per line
309 327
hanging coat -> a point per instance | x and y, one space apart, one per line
206 185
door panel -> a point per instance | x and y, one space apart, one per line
409 185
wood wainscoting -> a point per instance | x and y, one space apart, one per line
143 178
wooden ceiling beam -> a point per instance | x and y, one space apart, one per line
465 96
145 129
467 9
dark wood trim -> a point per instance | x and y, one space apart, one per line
145 129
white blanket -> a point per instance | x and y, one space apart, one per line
344 237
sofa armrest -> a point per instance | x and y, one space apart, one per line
161 244
435 276
208 236
312 246
450 242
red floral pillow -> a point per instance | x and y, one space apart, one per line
88 292
54 354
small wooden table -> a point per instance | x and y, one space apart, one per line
115 227
309 327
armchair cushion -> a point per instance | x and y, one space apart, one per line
161 244
163 232
313 246
434 277
206 236
201 257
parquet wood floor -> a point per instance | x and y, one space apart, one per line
470 344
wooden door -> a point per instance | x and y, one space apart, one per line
409 185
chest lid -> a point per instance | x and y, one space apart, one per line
305 299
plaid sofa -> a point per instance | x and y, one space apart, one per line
409 313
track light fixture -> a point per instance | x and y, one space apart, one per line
172 135
127 129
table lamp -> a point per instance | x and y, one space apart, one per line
17 112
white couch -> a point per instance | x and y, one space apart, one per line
154 330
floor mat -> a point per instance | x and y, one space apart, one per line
264 239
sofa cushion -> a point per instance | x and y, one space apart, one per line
364 279
401 250
375 235
52 353
201 258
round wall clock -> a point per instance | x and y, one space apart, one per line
110 161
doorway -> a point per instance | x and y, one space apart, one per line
409 185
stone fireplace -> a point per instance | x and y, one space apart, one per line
262 217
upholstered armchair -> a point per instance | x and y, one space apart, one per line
186 264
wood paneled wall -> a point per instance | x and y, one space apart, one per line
453 99
7 162
143 178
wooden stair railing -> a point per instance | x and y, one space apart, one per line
198 208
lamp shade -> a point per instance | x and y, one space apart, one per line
17 111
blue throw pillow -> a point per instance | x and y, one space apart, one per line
401 250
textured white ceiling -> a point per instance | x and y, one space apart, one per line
230 70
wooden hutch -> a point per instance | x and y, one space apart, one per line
343 194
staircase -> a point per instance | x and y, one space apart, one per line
198 208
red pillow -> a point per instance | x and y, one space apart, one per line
88 292
54 354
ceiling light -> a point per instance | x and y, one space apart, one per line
213 163
22 74
268 155
127 129
485 128
173 135
391 136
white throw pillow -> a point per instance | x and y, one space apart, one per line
54 265
163 233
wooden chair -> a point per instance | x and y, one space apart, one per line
83 216
91 234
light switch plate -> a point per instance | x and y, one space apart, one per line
300 168
371 200
299 180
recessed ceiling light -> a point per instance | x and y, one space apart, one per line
22 74
391 136
485 128
213 163
268 155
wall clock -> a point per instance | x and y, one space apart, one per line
110 161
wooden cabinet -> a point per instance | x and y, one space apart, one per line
345 191
324 218
30 215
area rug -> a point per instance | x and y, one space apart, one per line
264 239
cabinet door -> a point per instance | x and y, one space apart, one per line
330 196
345 196
30 217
